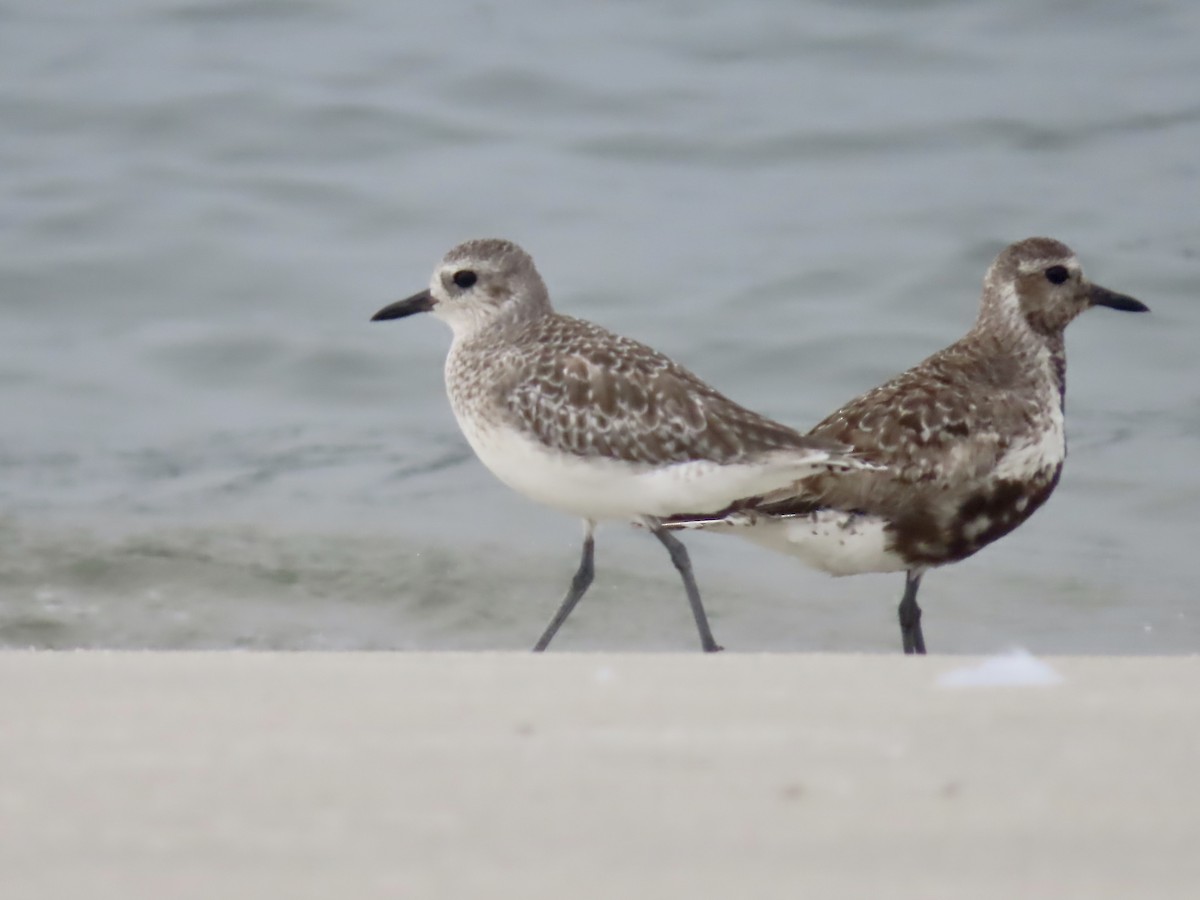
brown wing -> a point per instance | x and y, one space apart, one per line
939 426
922 425
598 394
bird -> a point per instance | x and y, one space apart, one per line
594 424
969 443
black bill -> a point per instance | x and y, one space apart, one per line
417 303
1104 297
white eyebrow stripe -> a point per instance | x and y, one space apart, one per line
1036 265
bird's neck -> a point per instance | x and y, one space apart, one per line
1024 356
482 329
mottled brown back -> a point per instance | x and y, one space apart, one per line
586 391
940 428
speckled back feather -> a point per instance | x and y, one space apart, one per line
585 391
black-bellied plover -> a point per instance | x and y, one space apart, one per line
594 424
972 440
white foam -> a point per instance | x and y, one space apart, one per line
1017 668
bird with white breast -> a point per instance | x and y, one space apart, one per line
594 424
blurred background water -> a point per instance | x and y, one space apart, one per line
206 444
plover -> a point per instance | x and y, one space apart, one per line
594 424
972 440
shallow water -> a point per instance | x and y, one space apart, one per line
208 445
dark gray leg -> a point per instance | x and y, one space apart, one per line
579 585
910 614
679 556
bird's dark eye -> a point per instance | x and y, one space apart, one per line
1054 274
464 278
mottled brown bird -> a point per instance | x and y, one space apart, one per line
971 439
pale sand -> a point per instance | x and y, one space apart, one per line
234 775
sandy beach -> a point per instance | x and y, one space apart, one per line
597 775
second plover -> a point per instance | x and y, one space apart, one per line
972 440
594 424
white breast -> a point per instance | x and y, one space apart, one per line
1043 450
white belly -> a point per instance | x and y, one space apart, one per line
836 542
599 488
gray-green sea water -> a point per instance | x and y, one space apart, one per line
206 444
